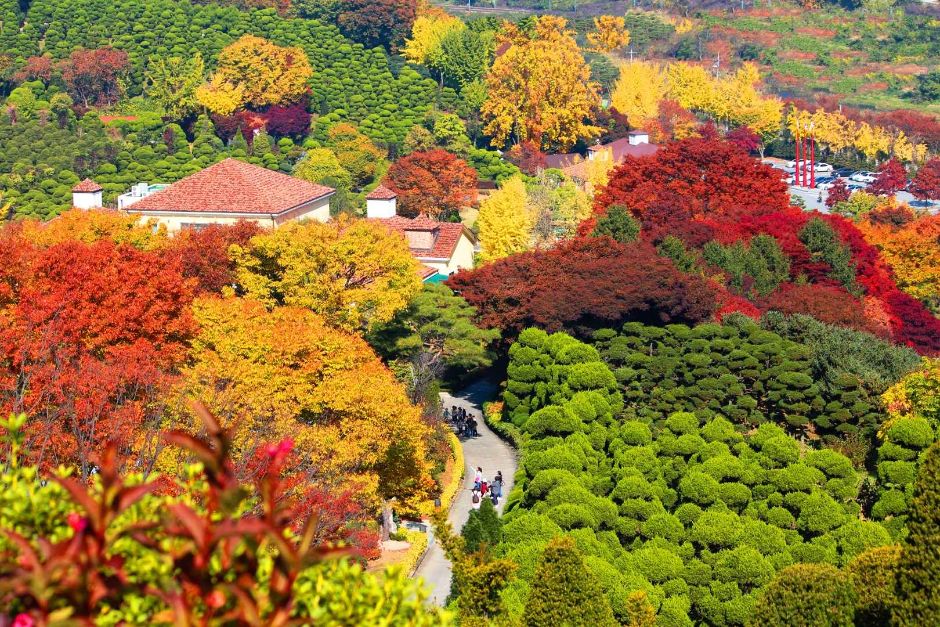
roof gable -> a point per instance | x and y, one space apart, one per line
442 237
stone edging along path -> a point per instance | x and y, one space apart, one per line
488 451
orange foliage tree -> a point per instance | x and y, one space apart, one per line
433 183
90 334
913 252
89 226
286 373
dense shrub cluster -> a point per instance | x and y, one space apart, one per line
356 82
736 370
603 283
904 443
39 180
689 509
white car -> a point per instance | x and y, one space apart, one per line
864 177
823 168
826 184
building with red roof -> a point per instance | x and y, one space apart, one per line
229 191
441 247
635 144
87 195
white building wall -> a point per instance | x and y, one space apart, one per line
86 200
318 210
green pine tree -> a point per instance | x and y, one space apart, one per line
918 583
618 224
564 592
483 527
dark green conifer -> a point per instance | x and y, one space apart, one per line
564 593
918 582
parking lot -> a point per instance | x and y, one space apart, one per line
815 199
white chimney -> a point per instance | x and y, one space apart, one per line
638 137
87 195
381 203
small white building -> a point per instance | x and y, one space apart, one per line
227 192
443 248
87 195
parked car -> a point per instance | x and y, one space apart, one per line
843 172
824 168
825 182
864 177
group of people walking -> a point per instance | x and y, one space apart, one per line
464 422
483 489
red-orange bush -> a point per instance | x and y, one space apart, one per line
584 284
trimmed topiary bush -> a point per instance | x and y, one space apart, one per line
806 595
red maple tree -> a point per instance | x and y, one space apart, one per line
37 68
839 192
433 183
90 335
926 184
203 255
892 177
92 75
696 177
583 284
527 156
378 22
288 120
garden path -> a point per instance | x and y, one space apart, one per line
489 452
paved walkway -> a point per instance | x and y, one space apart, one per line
487 451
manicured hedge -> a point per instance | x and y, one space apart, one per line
690 507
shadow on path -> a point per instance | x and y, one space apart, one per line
489 452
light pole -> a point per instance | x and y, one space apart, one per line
796 161
812 156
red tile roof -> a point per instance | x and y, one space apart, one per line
87 186
381 193
622 148
446 235
233 186
426 272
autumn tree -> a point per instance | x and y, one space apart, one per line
377 22
437 331
839 192
92 225
527 157
605 284
912 252
505 221
321 165
696 177
36 68
638 91
354 273
284 372
356 154
892 178
425 46
926 183
434 183
204 254
610 33
540 89
91 334
172 82
254 72
92 76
